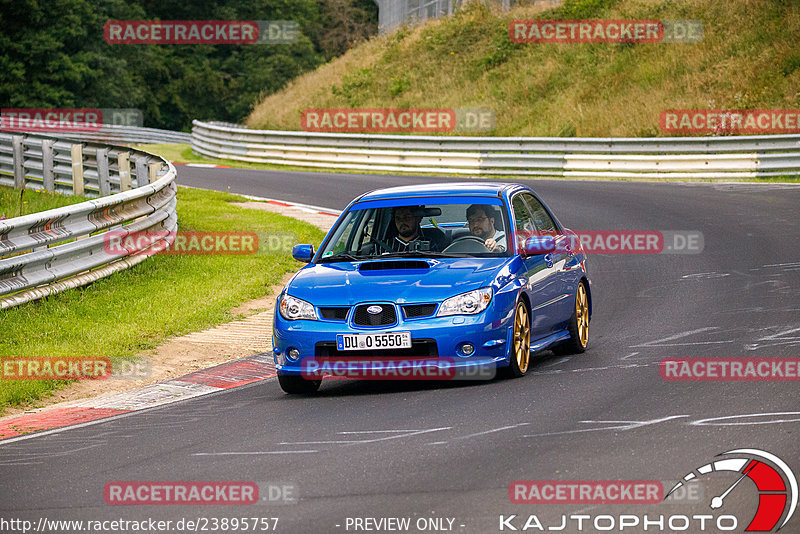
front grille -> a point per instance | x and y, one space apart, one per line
334 313
419 348
418 310
362 317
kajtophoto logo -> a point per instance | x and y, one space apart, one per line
774 480
775 484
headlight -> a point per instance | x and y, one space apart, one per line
292 308
468 303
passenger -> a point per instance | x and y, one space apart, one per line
481 224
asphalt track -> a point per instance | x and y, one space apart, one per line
425 450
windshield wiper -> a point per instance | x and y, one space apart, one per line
420 254
342 256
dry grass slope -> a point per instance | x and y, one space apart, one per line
748 59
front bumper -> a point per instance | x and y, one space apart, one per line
488 334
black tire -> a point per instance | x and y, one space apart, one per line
520 350
578 325
297 385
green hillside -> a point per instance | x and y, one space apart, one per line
749 58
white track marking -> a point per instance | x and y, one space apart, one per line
404 434
377 431
558 362
250 453
790 264
780 334
776 340
706 422
620 425
491 431
663 342
591 369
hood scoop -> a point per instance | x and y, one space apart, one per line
392 265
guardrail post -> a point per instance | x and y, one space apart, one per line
124 164
19 163
48 178
51 260
154 168
102 172
142 176
77 169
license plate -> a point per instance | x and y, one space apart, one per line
389 340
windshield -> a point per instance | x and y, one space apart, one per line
415 230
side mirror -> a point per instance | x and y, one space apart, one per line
303 253
542 244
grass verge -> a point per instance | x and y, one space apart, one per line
137 309
182 152
18 202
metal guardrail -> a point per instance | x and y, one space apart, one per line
46 252
725 157
392 13
110 133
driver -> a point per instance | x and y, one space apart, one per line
481 224
409 232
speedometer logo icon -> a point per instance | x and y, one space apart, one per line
777 485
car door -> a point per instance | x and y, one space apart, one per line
542 284
560 259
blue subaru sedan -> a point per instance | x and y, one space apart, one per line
464 274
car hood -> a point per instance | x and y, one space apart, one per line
402 281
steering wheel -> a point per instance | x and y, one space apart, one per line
377 242
467 243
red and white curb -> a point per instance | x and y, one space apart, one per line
307 208
225 376
219 378
316 210
201 165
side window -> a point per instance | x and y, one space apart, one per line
541 219
523 223
343 240
522 215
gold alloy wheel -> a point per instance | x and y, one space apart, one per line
582 315
522 337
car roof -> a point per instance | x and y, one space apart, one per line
441 189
